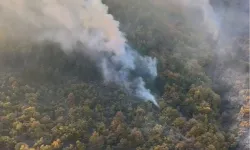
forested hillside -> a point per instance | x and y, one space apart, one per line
50 100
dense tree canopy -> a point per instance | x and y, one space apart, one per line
51 100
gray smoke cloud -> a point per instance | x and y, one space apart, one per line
202 8
70 22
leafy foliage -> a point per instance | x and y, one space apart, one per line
59 102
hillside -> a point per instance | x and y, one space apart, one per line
53 100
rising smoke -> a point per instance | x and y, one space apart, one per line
201 8
70 22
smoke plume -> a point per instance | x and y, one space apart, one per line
83 24
192 9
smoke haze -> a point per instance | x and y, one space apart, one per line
232 64
69 22
88 23
201 8
228 23
85 25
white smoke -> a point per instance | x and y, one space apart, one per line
70 22
197 13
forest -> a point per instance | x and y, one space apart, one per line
51 100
